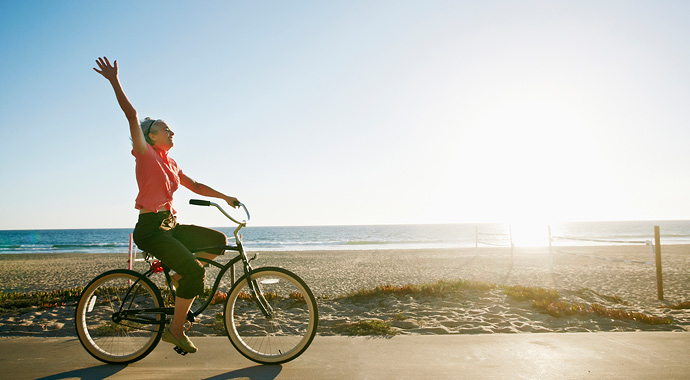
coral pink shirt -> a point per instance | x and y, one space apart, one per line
158 176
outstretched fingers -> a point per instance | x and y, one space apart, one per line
105 68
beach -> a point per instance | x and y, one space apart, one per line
615 277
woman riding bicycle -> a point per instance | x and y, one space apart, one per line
157 231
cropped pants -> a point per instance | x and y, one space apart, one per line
173 244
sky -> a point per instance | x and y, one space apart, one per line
351 112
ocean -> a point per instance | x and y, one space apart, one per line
384 237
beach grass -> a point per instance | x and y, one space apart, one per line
11 302
531 293
219 324
438 288
543 300
547 301
680 306
366 327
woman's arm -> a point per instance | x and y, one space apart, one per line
110 72
201 189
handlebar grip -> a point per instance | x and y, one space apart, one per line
236 203
199 202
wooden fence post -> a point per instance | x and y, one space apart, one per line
550 250
130 262
657 250
512 246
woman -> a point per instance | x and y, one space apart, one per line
157 231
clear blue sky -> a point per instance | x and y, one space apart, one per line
351 112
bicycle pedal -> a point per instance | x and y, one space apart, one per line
180 351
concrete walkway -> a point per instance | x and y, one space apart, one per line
641 355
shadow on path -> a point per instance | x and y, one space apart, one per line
93 373
259 372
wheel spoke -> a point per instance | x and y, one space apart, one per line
125 338
289 329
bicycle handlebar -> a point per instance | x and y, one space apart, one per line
201 202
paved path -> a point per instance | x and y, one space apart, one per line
641 355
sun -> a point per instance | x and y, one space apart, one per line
530 234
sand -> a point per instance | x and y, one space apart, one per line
587 275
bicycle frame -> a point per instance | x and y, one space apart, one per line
131 315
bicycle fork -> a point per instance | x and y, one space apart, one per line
260 298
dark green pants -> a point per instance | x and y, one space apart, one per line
173 244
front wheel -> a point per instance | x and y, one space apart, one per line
115 317
271 316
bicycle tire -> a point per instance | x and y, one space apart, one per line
111 341
285 335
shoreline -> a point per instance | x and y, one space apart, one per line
31 272
594 274
379 248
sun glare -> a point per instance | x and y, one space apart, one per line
530 234
520 155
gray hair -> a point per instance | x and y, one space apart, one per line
146 128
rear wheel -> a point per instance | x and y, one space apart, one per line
103 329
288 329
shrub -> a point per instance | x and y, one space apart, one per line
367 327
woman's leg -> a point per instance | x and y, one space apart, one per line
193 238
155 234
182 306
196 237
175 332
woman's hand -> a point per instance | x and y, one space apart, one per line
232 201
106 69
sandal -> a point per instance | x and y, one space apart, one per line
184 343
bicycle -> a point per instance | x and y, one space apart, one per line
270 314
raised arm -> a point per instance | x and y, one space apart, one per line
110 72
